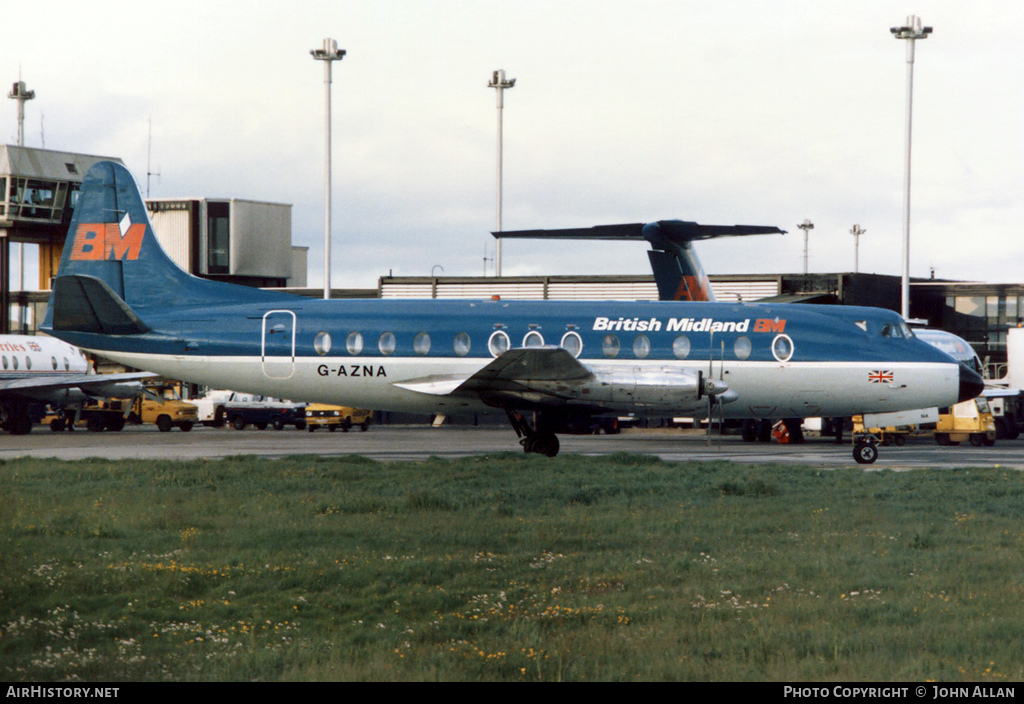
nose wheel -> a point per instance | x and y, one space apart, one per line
865 449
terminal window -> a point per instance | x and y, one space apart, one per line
218 231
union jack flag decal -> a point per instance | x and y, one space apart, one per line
880 377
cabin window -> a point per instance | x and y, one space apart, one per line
322 343
572 343
533 339
610 346
14 360
421 343
5 361
782 348
386 343
742 347
641 346
53 361
461 344
681 347
498 343
67 365
354 343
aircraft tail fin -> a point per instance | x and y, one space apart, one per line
113 268
677 270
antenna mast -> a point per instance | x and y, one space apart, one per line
149 157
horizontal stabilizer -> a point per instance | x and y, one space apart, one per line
677 231
87 304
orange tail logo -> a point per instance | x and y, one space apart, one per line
692 288
102 241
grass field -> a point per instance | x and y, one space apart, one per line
507 567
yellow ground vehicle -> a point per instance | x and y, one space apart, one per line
890 435
970 420
97 416
322 415
163 406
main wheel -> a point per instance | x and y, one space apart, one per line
865 452
546 445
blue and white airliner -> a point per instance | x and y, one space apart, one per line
550 365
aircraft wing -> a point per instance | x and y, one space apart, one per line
91 384
513 370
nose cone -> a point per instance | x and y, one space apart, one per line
971 383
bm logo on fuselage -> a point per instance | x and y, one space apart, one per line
103 241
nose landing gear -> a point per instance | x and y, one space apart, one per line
865 448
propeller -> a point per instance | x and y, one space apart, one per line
711 388
715 389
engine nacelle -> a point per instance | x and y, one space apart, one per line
635 389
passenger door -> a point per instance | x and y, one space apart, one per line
278 348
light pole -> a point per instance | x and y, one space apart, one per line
856 232
22 94
499 83
911 31
328 54
805 226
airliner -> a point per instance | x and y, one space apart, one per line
550 366
37 370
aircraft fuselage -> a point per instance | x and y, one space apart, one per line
782 361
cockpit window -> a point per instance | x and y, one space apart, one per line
889 330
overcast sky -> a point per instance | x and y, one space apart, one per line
727 112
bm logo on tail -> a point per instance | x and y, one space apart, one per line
103 241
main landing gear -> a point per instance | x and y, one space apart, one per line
540 439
